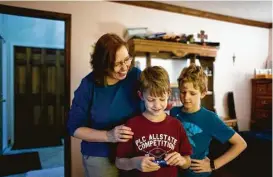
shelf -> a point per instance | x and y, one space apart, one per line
232 123
174 48
149 49
174 85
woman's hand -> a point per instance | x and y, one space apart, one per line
145 164
200 166
120 133
175 159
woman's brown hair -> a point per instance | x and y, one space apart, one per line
103 59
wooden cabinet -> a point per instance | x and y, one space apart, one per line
151 50
261 109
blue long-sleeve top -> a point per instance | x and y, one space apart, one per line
110 106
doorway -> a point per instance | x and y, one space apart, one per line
66 18
39 79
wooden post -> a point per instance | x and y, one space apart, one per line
148 59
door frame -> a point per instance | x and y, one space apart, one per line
11 10
1 94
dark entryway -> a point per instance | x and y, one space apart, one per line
44 105
39 97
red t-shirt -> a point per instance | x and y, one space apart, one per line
155 139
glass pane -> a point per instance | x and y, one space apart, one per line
62 115
140 63
50 115
36 114
61 81
51 80
21 79
174 67
35 79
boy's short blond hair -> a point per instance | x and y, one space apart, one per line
156 80
195 75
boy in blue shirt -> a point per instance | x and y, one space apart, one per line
202 125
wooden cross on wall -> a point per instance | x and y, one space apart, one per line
202 36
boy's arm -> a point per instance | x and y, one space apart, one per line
142 163
238 145
125 164
176 159
187 163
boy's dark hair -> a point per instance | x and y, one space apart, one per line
156 80
195 75
104 56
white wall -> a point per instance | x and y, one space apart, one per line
269 62
29 32
92 19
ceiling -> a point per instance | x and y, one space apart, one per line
251 10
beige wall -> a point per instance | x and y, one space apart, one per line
270 47
92 19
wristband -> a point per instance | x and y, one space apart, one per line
212 166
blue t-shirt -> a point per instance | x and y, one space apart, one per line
111 106
201 127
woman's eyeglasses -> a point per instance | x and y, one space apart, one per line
127 61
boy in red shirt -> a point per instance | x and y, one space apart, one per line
159 143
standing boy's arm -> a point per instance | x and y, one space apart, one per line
223 133
238 145
175 159
142 163
188 162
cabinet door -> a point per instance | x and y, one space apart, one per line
264 103
269 88
262 120
263 114
261 88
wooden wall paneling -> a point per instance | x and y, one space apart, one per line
196 13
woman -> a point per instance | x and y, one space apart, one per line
105 99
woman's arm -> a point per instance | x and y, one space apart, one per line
238 145
79 113
118 134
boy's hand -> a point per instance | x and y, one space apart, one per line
145 164
200 166
175 159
